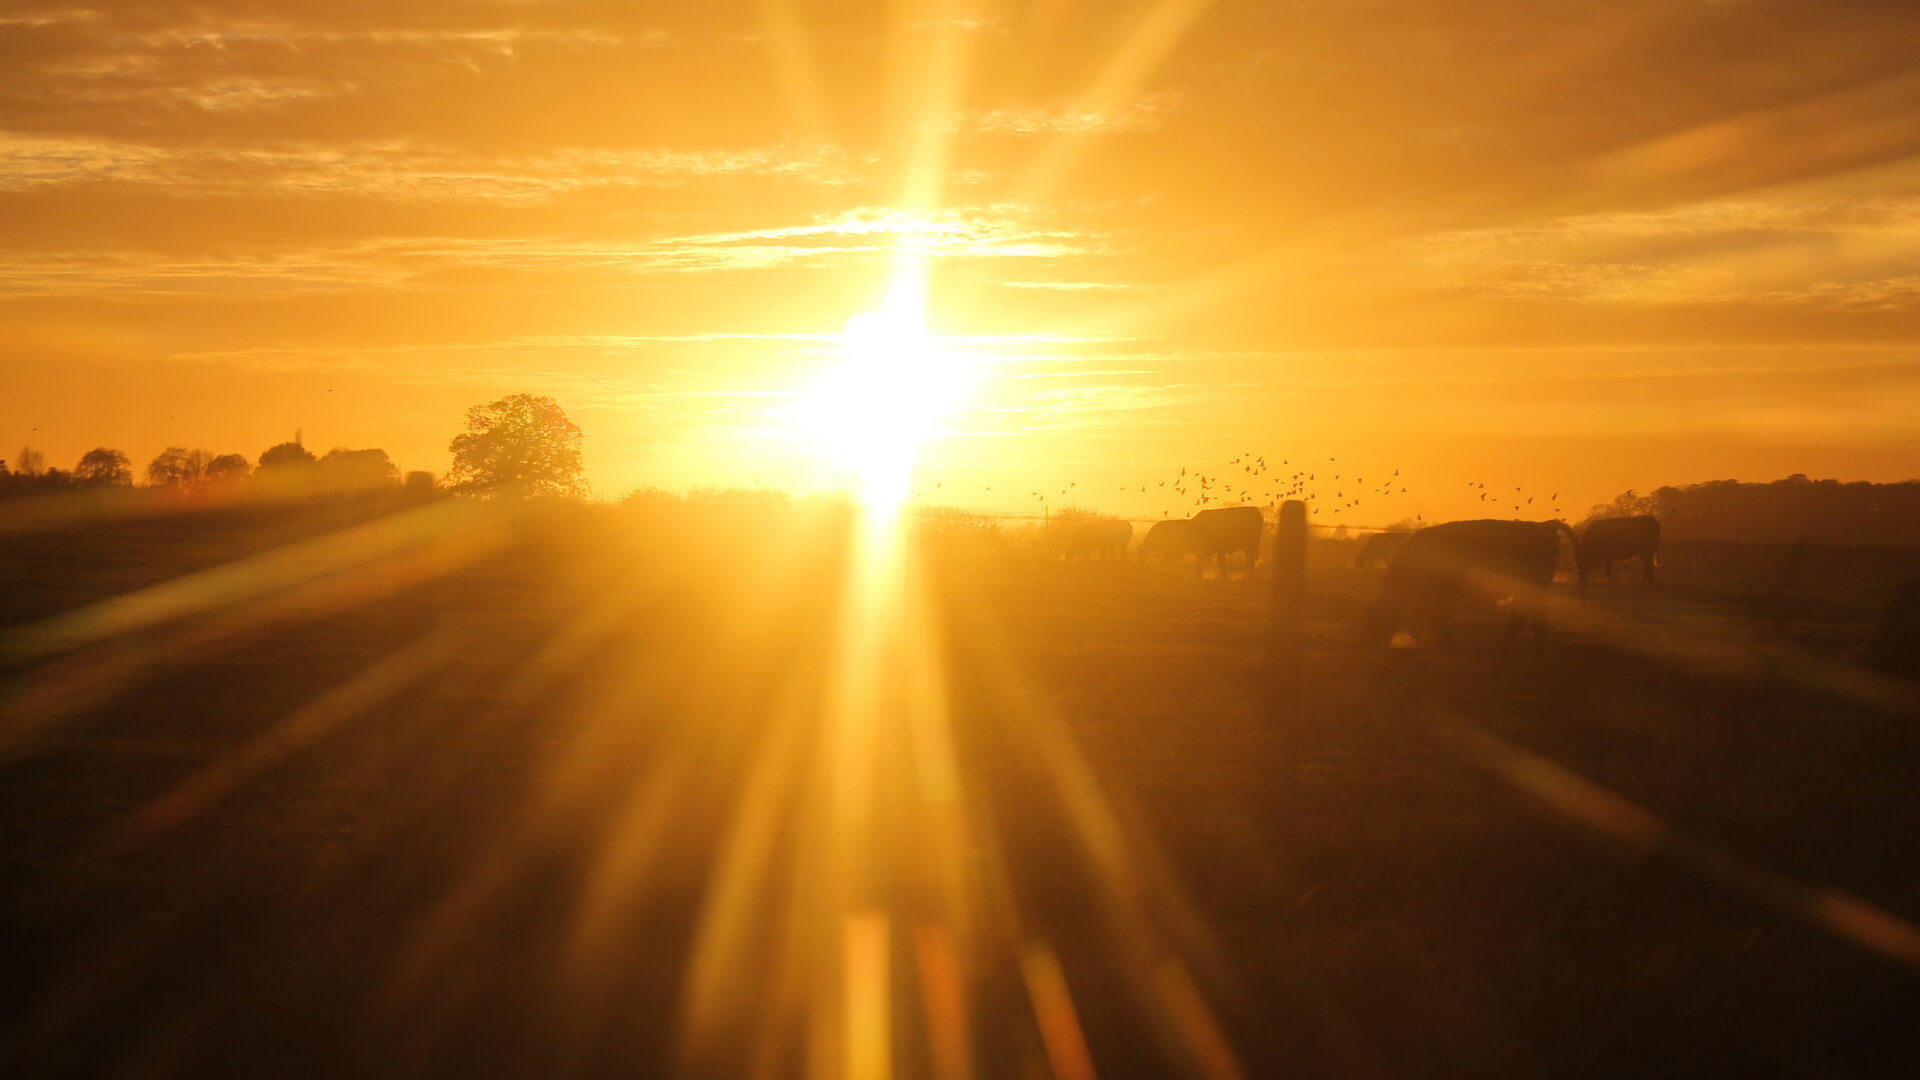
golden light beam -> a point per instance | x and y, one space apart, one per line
244 602
238 582
592 753
930 50
1053 1008
298 731
1838 913
791 53
1147 45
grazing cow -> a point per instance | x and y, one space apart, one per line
1166 541
1610 539
1106 538
1497 559
1379 548
1216 534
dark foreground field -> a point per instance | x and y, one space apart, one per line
446 794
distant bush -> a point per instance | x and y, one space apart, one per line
951 530
344 470
1057 531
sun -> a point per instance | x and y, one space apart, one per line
887 393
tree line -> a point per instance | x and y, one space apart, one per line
1858 514
519 446
182 469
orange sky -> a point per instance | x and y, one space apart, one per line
1569 246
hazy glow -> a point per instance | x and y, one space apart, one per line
886 395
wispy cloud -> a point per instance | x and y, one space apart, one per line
858 235
401 171
1071 286
1145 112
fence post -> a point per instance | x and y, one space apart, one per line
1288 606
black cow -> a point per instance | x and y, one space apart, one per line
1216 534
1497 559
1166 541
1105 538
1610 539
1209 534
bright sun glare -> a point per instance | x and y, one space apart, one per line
885 396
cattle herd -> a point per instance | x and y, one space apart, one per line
1428 571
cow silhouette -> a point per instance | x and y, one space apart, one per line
1608 540
1498 560
1165 542
1108 539
1379 548
1210 534
1216 534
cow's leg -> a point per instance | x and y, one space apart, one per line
1609 565
1646 565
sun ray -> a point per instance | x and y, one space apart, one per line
1152 38
785 35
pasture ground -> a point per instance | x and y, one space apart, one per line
317 826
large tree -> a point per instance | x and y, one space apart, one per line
286 454
228 467
520 446
103 466
177 466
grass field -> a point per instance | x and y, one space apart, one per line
449 795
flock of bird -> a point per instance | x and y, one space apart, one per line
1250 480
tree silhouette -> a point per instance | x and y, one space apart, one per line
356 470
284 454
29 462
518 446
105 467
176 466
228 467
1782 512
